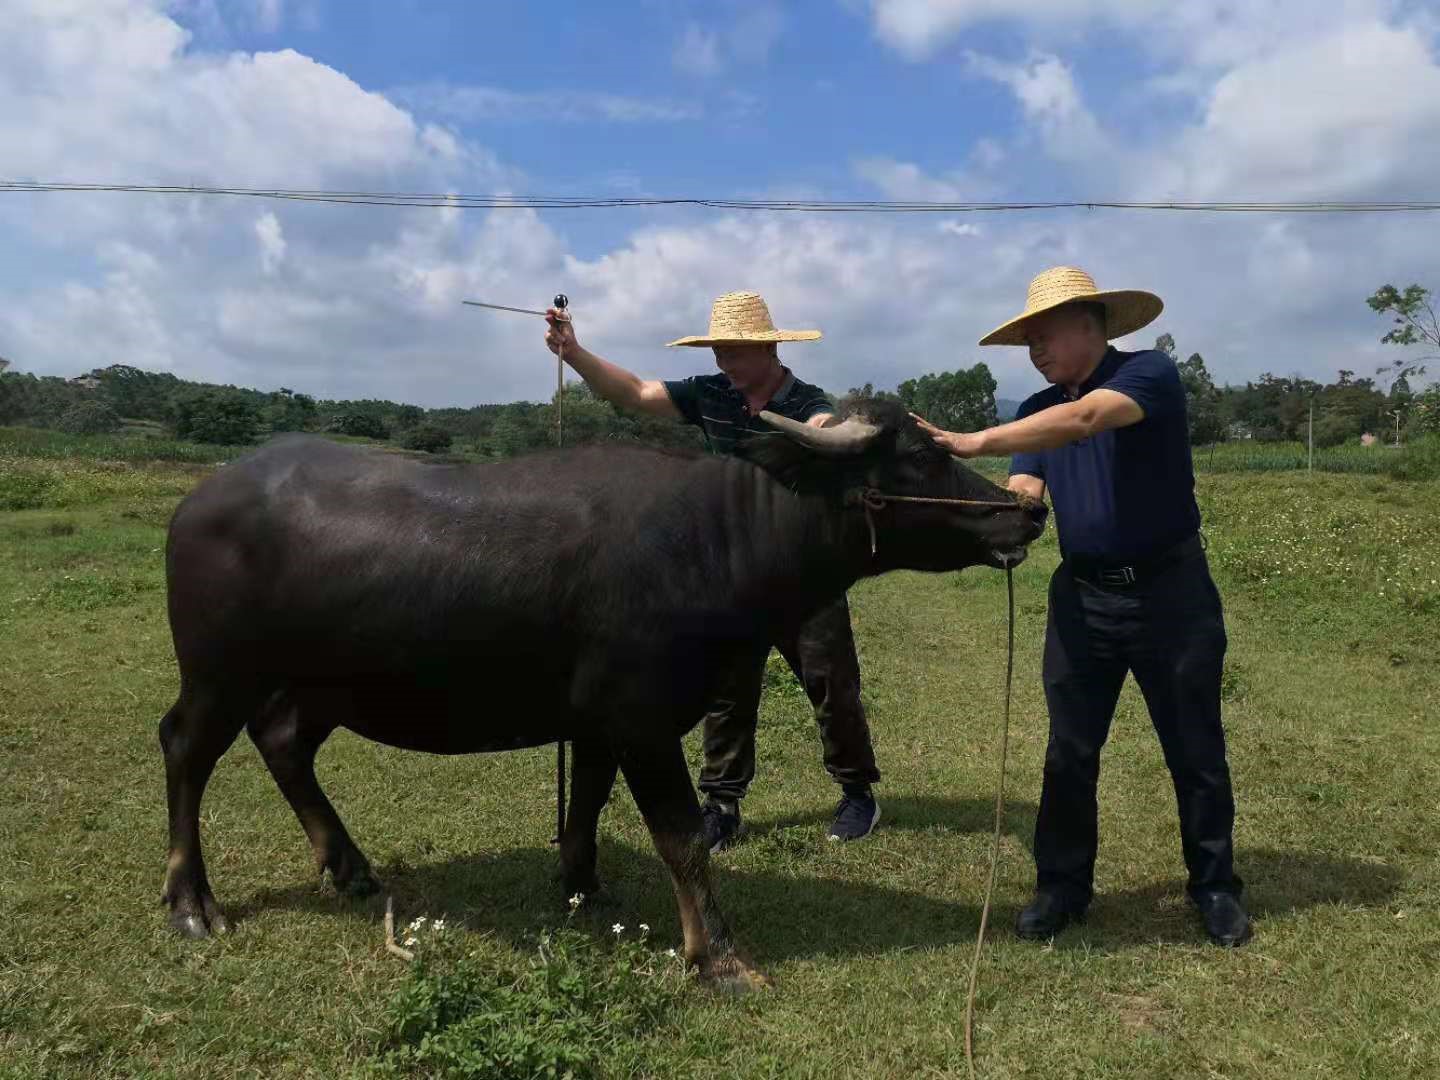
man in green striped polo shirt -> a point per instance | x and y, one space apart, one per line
726 407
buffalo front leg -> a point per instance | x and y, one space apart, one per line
197 730
288 738
592 777
660 782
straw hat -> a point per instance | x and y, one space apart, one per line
1126 310
740 318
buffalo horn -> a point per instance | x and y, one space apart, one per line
851 436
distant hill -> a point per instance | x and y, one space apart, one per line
1005 408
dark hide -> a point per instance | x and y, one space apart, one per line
315 586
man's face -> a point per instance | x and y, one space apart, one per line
1063 342
749 367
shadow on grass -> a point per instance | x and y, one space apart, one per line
791 910
1277 884
924 813
778 914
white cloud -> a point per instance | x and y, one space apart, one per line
977 179
1046 90
478 103
350 301
1206 32
272 241
906 182
1352 113
748 35
959 228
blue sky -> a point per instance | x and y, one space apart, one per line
912 99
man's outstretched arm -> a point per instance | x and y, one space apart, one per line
623 389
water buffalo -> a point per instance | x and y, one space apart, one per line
315 586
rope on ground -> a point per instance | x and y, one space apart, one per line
999 824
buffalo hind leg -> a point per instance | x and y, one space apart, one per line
660 782
288 738
197 730
592 776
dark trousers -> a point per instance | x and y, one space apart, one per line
1170 632
821 653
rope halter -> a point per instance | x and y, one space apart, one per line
872 499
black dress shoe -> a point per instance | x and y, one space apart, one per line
1225 918
1046 916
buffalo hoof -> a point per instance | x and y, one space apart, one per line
358 886
733 976
194 925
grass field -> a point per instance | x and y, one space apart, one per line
1332 692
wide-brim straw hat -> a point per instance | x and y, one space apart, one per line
741 318
1126 310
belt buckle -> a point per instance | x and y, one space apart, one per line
1121 575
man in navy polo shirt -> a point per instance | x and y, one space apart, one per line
1133 593
726 407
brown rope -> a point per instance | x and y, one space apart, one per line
872 499
995 840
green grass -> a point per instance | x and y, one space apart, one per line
1332 689
1418 459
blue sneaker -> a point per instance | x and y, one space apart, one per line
856 816
722 824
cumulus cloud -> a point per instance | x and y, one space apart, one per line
353 301
1267 102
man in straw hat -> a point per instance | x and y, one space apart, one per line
726 407
1133 592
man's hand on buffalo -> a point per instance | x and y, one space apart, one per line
961 444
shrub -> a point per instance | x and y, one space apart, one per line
89 418
428 437
362 424
573 1008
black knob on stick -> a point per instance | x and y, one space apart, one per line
561 301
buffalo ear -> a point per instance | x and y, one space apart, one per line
848 438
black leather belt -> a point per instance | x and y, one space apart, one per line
1116 575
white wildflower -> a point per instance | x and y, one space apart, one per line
410 941
576 900
618 929
670 953
438 926
644 928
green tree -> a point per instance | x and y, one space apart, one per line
1415 323
216 416
406 417
962 400
1202 402
1425 412
286 410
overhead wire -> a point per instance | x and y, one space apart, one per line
511 201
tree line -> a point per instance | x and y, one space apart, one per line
1270 408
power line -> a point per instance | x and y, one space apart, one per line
811 206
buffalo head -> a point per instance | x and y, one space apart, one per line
873 452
